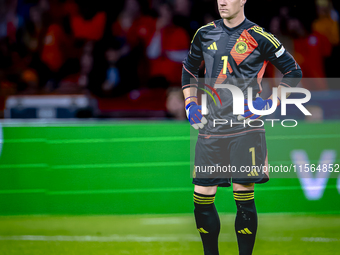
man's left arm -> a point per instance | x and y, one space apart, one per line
287 65
274 52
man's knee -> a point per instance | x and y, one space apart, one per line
246 186
206 190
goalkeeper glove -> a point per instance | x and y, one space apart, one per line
258 104
194 115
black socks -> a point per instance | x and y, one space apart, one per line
207 222
246 221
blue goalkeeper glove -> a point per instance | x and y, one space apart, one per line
194 115
259 104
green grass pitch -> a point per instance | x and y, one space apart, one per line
162 235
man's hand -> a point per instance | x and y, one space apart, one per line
259 104
194 115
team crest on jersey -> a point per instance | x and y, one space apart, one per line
244 46
241 47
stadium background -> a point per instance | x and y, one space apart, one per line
95 154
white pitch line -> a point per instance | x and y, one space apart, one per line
276 239
319 239
164 238
113 238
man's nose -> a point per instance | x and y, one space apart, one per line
223 2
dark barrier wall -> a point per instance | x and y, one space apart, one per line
144 167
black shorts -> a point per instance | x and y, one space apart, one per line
240 159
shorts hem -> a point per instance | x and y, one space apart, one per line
217 183
262 180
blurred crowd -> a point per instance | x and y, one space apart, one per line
110 49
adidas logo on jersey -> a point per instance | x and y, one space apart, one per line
212 46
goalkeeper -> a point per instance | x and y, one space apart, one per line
235 51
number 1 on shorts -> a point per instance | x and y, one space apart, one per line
252 151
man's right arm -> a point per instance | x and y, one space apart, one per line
191 67
189 82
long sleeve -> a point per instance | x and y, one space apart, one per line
192 62
273 51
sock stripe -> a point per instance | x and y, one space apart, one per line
198 201
203 199
245 196
243 199
201 203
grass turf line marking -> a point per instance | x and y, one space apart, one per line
319 239
113 238
150 139
100 140
135 238
148 190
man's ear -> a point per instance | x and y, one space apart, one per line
243 2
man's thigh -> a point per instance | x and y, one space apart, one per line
248 154
211 156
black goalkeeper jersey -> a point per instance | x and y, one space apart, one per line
236 56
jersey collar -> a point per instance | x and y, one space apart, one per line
229 30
